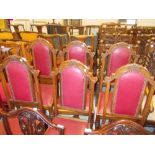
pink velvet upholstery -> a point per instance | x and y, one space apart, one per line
47 94
129 89
19 81
119 57
102 102
42 58
78 53
88 96
72 126
72 88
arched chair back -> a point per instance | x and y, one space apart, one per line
27 121
129 98
20 83
78 50
118 55
43 56
76 88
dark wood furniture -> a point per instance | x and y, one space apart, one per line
17 27
79 29
27 121
121 127
89 40
39 27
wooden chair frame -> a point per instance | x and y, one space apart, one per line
16 27
52 55
11 37
28 32
82 38
90 80
121 127
89 55
39 27
33 74
102 72
50 38
142 113
31 122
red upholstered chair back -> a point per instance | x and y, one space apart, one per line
77 50
120 55
130 86
20 79
129 92
73 86
43 56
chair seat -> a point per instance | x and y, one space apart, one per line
88 96
47 94
14 126
72 126
102 99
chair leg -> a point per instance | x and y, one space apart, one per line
76 116
103 121
92 121
50 112
97 122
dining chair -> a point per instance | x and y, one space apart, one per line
118 55
78 50
43 58
21 85
74 98
133 89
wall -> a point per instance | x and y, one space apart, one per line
146 22
97 21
